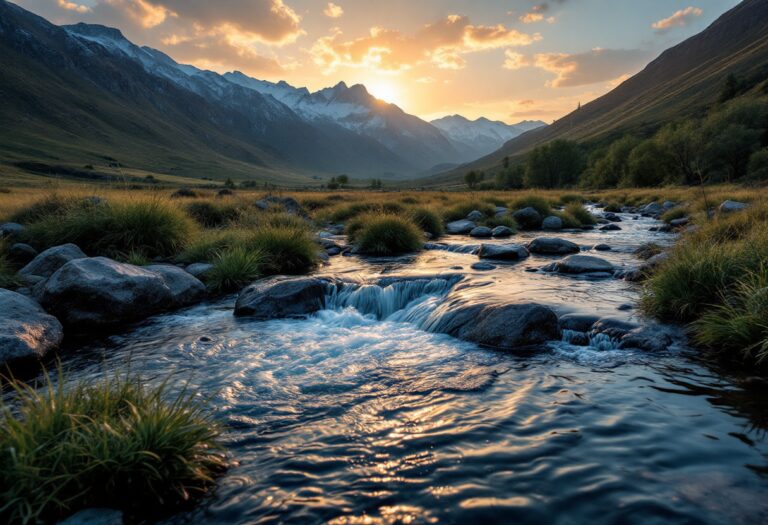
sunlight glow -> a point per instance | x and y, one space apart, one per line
386 90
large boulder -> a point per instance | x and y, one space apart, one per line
481 232
48 262
185 288
528 218
460 227
576 264
732 206
552 223
99 292
279 297
505 327
552 246
503 252
26 330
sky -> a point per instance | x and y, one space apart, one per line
508 60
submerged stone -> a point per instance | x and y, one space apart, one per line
552 246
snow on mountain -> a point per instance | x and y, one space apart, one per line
476 138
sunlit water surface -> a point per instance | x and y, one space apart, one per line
347 418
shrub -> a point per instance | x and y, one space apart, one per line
210 244
540 204
461 210
428 220
235 268
385 235
52 205
213 215
569 221
289 251
113 443
580 214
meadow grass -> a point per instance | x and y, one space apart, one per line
580 214
235 268
381 234
115 442
428 220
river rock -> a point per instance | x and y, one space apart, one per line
502 231
26 330
475 215
501 211
99 292
610 228
528 218
500 326
552 246
581 264
199 270
11 229
460 227
732 206
552 223
483 266
280 297
48 262
612 217
654 209
21 253
481 232
668 205
578 322
613 328
185 288
649 339
601 248
504 252
95 516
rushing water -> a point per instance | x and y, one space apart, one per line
359 414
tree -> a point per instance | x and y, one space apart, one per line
730 88
473 178
610 169
342 179
510 178
333 184
758 165
685 144
555 164
505 162
649 164
729 150
229 184
376 184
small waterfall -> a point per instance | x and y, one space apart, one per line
454 248
406 300
600 342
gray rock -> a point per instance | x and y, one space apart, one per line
11 229
199 270
288 204
732 206
668 205
502 231
552 246
48 262
185 288
475 215
653 209
648 339
612 217
625 307
483 266
613 328
333 250
576 264
601 248
552 223
505 327
677 223
95 516
481 232
26 330
21 253
460 227
501 211
610 228
99 292
280 297
578 322
528 219
503 252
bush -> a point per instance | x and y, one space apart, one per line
213 215
235 268
428 221
758 166
150 227
52 205
288 251
460 211
385 235
114 443
540 204
580 214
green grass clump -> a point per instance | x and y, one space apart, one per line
428 220
675 213
613 207
290 251
540 204
52 205
377 234
505 220
151 227
235 268
114 443
571 198
569 221
580 214
8 277
460 211
213 214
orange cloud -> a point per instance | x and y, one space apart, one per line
442 44
333 11
515 60
71 6
679 18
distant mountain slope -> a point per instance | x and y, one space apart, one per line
83 94
477 138
682 81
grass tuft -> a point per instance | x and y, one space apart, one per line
428 220
580 214
540 204
377 234
235 268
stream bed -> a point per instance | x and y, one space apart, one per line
356 415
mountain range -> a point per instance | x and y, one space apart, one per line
684 81
84 95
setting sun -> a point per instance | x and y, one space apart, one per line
385 90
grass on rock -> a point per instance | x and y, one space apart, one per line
114 443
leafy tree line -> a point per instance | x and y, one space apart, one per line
729 144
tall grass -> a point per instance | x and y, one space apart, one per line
580 214
111 443
235 268
8 277
539 203
461 209
428 220
378 234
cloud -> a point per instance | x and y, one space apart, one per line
514 60
679 18
333 11
597 65
443 44
71 6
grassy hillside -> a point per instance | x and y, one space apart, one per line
682 82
